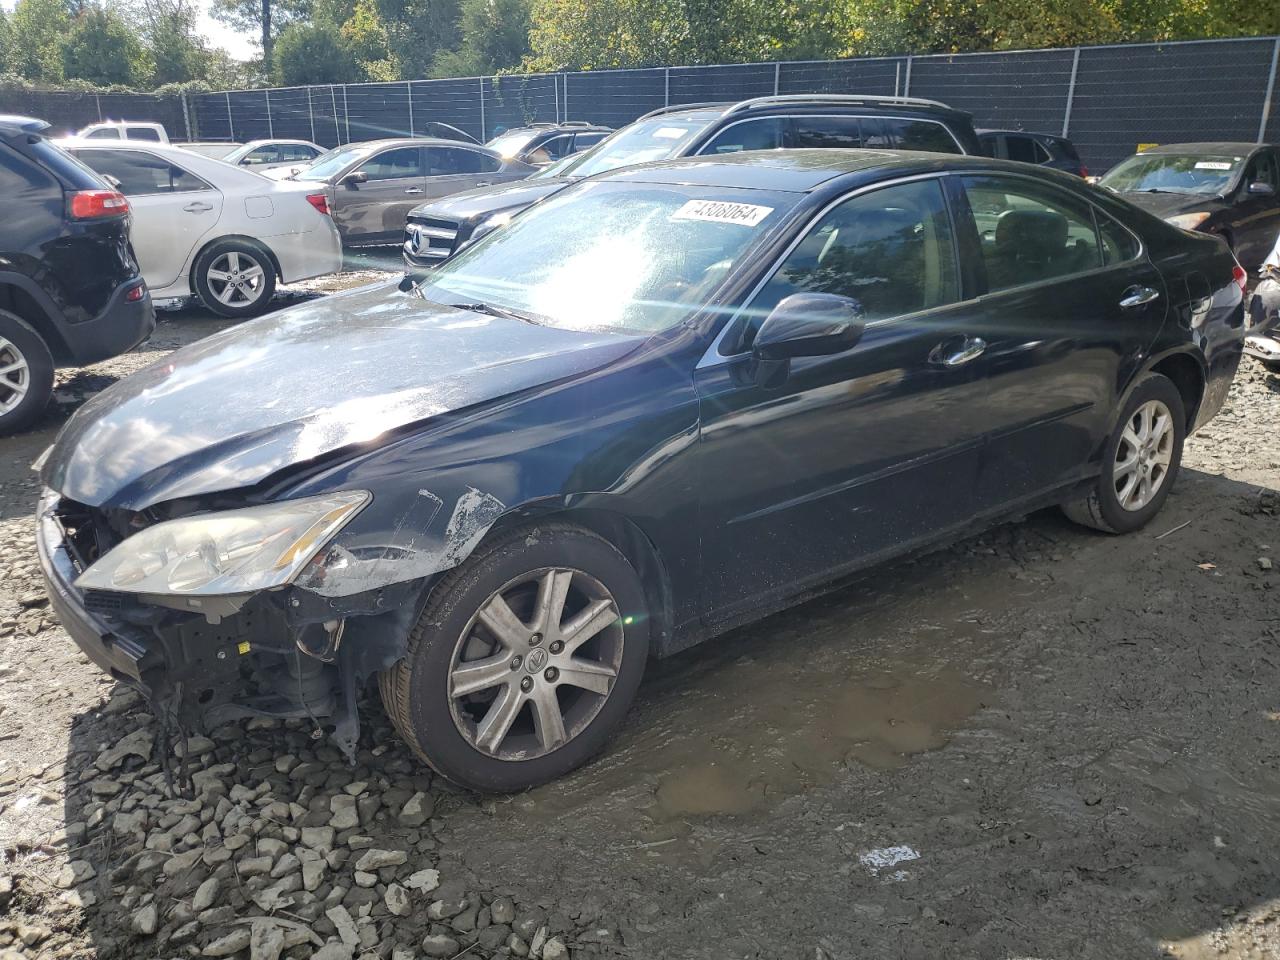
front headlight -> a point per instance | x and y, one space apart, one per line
228 552
1187 221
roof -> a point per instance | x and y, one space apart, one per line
413 142
12 125
804 101
801 171
579 126
991 131
1212 146
258 143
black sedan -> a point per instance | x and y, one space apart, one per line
1230 190
666 401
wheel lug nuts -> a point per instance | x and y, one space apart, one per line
552 674
535 639
516 661
526 684
556 646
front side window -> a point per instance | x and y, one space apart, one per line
765 133
891 250
584 140
262 155
297 151
1030 233
141 174
512 143
610 256
1262 169
1201 174
396 164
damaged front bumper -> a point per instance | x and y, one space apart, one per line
286 652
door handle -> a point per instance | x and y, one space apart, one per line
413 190
1138 296
949 353
484 183
198 207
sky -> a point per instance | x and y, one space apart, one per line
217 34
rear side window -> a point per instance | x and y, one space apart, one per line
921 135
143 174
1024 150
891 250
104 133
1030 233
297 151
144 133
558 147
765 133
76 174
838 132
449 161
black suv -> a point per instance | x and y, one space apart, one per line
435 230
543 143
1042 149
70 290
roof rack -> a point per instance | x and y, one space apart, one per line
675 107
865 99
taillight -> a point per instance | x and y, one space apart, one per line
92 204
136 294
1240 277
1084 172
319 201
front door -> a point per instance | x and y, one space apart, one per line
840 459
1071 306
172 209
374 211
1257 215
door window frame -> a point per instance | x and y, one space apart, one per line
713 357
206 188
789 118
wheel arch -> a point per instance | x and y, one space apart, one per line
239 238
22 297
1188 374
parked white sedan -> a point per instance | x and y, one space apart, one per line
271 154
223 233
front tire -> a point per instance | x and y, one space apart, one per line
26 374
524 661
1139 463
234 278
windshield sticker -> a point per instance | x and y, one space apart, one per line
669 133
1212 165
718 211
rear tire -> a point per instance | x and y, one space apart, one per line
234 278
540 699
1139 462
26 383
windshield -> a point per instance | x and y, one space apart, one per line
327 164
509 144
1173 173
618 257
644 140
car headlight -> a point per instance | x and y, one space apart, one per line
228 552
1187 221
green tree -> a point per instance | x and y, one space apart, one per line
313 53
266 18
37 30
4 42
495 38
418 31
102 50
367 37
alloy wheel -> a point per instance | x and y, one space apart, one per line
1144 455
15 376
236 279
535 664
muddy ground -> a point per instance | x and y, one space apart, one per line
1041 743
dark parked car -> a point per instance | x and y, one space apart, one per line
664 402
1042 149
542 143
372 186
70 290
1231 190
435 230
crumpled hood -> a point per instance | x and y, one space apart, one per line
1170 204
233 409
479 203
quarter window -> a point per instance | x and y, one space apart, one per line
921 135
142 174
1118 244
394 164
765 133
1029 233
891 250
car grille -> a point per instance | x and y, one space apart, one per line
430 239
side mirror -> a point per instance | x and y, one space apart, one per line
1260 189
354 179
810 325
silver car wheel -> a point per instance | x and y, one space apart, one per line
1144 455
236 279
535 664
15 376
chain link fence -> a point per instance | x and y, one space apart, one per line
1107 99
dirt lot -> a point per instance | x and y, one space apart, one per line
1041 743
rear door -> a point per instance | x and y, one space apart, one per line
374 211
173 209
1072 303
454 169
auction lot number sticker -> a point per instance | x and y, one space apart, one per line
720 211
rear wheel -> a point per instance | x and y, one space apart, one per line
234 278
26 373
1140 462
524 661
